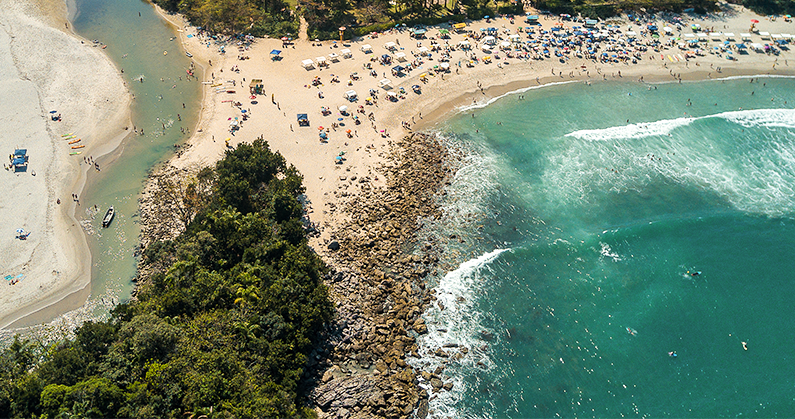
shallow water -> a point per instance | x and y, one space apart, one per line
136 44
601 201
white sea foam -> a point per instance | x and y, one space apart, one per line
784 118
483 104
460 324
755 176
606 251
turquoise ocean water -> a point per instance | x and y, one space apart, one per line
582 212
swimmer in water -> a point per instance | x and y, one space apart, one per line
632 332
745 345
672 354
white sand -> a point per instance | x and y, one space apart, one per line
44 67
287 81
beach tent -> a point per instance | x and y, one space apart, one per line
459 26
689 35
485 48
350 95
590 23
489 40
384 83
445 66
400 56
275 55
514 37
366 48
343 109
716 36
303 120
757 47
464 44
390 46
764 35
346 53
745 36
397 71
307 64
333 57
321 61
776 36
631 33
423 50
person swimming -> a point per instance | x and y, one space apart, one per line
672 354
632 331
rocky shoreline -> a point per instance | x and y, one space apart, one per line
378 285
377 278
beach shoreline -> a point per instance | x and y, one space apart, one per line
54 66
339 174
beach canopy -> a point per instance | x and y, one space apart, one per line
489 40
366 48
320 60
333 56
350 94
422 50
464 43
384 83
345 52
397 69
307 63
400 56
460 26
390 45
745 35
343 108
275 52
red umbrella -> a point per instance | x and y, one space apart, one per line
754 21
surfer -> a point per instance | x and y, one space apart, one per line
632 331
672 354
745 345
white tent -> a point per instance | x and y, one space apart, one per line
350 95
321 61
422 50
384 83
631 33
668 29
485 48
689 35
702 35
776 36
400 56
333 57
346 53
764 35
489 40
445 66
716 36
786 36
307 64
505 44
464 43
757 47
515 37
729 35
343 108
390 46
745 36
366 48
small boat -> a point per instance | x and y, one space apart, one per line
67 135
108 217
77 146
75 141
74 153
189 54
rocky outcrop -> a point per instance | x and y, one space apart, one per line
379 287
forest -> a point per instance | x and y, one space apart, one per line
222 326
360 17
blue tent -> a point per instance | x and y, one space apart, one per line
276 52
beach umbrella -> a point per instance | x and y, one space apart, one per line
754 21
343 108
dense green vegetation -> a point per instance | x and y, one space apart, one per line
222 328
255 17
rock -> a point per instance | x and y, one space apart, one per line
436 384
441 353
448 386
346 392
422 409
334 245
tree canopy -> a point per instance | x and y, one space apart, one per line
223 328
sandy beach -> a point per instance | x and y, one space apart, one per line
288 89
47 71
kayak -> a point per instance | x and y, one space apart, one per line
74 153
75 141
77 146
67 135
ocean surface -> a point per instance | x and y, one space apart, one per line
600 230
136 43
